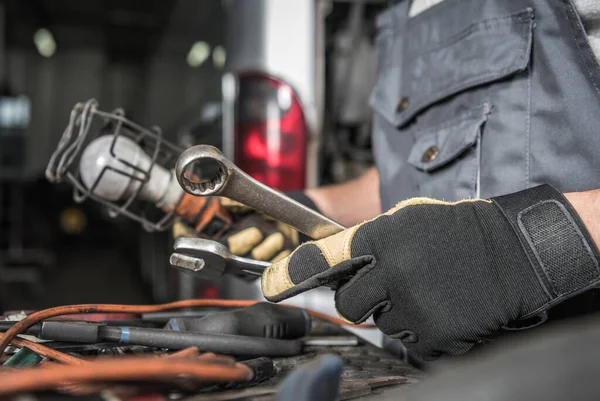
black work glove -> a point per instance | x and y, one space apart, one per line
441 276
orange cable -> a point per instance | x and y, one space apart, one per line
44 314
120 369
47 352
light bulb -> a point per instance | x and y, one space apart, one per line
161 188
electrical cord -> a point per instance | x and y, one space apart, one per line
82 389
44 314
121 369
48 352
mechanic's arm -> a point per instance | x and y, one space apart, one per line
351 202
587 206
443 276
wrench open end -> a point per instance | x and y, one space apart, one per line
209 259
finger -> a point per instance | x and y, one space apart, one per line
235 206
289 232
311 265
281 255
269 247
242 242
362 296
181 229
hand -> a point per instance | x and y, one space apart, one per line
252 234
257 236
442 276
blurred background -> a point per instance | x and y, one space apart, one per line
204 71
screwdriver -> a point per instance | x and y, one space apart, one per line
85 332
262 329
260 320
218 343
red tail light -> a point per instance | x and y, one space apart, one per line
270 133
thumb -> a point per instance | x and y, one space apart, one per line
312 264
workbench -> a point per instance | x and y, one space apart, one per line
369 373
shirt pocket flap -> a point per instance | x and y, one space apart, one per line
483 52
443 144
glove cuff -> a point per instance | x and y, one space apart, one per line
555 240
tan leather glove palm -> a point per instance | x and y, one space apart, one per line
252 234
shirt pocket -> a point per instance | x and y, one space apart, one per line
480 54
447 157
453 75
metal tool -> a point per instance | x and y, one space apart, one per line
233 183
210 259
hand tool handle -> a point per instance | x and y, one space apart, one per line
218 343
260 320
233 183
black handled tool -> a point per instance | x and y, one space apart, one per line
84 332
260 320
219 343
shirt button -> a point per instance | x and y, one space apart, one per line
403 105
430 154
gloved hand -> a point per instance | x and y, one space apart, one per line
253 234
257 236
441 276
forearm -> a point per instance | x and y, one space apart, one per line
351 202
587 206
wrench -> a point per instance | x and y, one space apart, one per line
211 259
233 183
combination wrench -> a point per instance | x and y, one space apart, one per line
211 259
233 183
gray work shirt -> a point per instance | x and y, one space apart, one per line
477 98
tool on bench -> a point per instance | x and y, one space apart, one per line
262 329
268 321
260 320
85 332
219 343
164 317
209 259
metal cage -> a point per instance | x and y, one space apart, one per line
87 123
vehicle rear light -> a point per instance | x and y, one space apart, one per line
270 133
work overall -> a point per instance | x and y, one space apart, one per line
478 98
